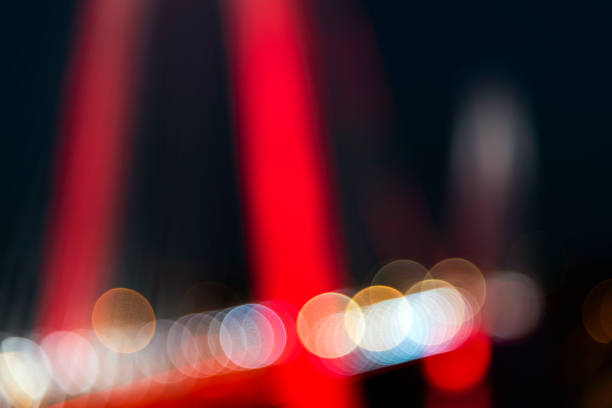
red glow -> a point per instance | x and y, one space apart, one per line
462 368
238 389
284 178
88 172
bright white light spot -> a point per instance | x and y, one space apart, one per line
24 368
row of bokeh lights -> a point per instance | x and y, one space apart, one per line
407 313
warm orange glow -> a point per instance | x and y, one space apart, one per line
597 312
123 320
322 325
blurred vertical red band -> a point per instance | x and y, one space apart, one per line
91 150
283 170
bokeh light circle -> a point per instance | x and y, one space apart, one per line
324 322
513 307
400 274
119 317
465 277
387 318
249 338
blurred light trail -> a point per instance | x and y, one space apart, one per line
351 335
286 185
235 389
345 337
88 173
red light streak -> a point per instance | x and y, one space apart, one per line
87 176
237 389
284 178
461 368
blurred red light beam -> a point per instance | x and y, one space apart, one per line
235 389
286 186
87 177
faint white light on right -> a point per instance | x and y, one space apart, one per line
514 306
493 142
